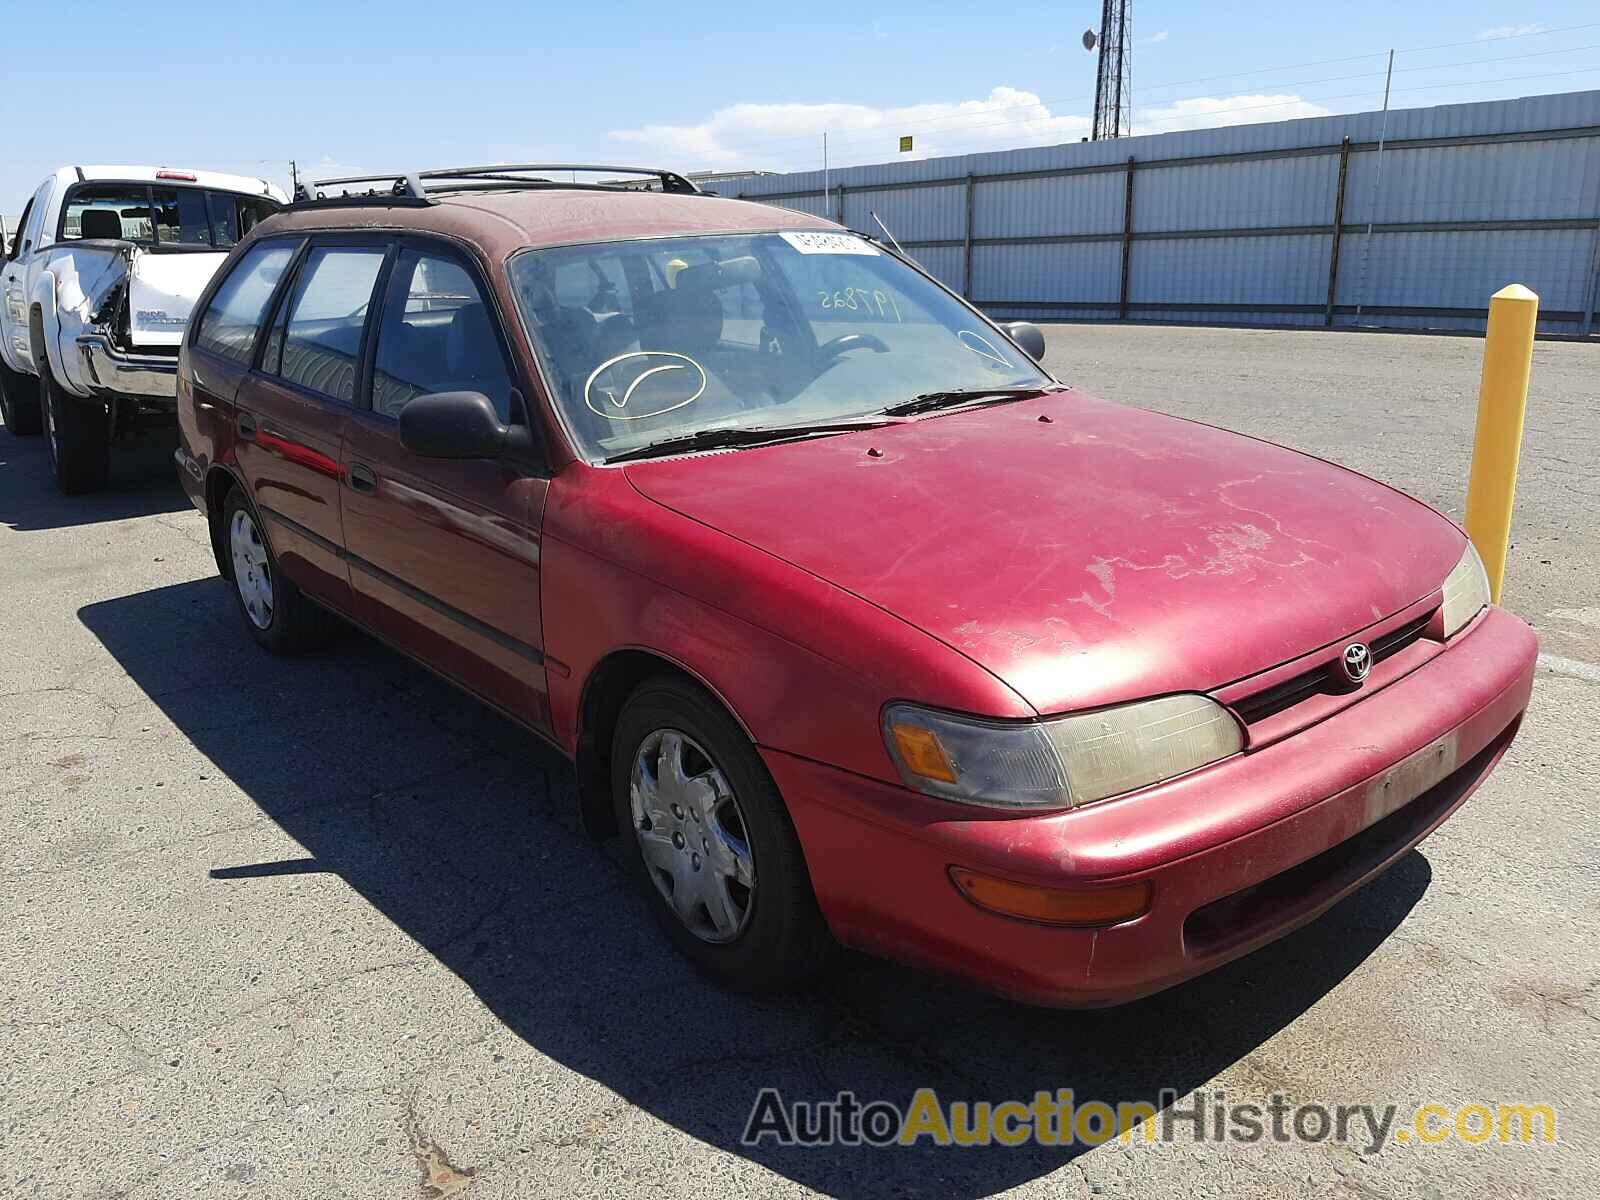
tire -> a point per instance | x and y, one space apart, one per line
278 615
19 402
767 937
75 436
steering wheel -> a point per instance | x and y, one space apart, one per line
847 342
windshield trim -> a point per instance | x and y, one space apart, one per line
575 445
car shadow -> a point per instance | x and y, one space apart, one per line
143 482
462 830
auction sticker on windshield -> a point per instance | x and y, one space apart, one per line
829 243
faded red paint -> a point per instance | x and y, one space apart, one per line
984 562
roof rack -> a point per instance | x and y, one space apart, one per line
402 189
419 187
517 175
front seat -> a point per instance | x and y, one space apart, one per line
472 355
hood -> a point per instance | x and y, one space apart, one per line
1102 555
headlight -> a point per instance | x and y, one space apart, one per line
1059 763
1466 591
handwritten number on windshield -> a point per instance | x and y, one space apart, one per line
861 300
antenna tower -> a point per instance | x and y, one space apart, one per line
1113 82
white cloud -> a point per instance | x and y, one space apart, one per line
1203 112
1509 31
1157 38
788 137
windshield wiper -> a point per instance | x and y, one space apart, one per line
932 401
728 436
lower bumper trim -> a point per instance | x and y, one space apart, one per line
110 370
1314 884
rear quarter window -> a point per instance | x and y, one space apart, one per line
233 318
233 216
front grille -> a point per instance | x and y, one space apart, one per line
1325 678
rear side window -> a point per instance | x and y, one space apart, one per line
319 346
32 230
235 312
233 216
16 237
438 335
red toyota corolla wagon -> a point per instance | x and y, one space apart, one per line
858 625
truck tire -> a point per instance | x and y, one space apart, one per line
76 436
19 402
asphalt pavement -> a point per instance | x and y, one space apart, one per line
327 927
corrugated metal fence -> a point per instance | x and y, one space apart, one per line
1303 222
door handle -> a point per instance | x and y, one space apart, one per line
362 477
247 427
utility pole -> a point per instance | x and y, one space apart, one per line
1377 180
1113 82
825 209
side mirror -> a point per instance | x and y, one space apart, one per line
454 425
1028 336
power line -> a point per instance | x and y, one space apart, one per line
1145 123
956 123
1321 62
983 145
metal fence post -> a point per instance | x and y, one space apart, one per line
966 246
840 191
1127 241
1592 291
1338 231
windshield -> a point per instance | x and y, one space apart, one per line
654 339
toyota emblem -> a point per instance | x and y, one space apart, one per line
1356 661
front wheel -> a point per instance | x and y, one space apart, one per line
76 435
19 402
711 843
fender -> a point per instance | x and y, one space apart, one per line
43 298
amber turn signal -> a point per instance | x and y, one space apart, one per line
922 752
1054 906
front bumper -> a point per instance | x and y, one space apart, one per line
1238 853
108 370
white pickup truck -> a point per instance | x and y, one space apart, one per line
95 291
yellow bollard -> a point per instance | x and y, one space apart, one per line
1502 403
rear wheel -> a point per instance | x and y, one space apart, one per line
76 436
711 843
19 402
276 612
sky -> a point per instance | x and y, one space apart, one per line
410 84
